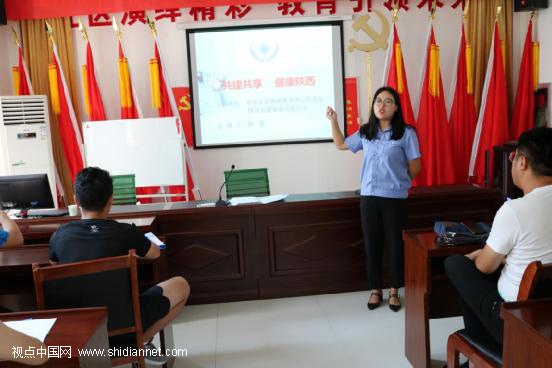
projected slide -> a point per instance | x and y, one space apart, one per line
265 85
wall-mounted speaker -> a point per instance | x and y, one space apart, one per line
3 19
530 5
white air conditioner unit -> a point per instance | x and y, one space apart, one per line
25 142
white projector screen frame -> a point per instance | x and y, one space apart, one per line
265 84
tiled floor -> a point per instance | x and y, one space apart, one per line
334 330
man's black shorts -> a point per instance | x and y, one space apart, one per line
153 306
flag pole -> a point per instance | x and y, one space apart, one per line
15 37
174 108
82 29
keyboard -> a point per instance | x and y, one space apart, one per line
47 212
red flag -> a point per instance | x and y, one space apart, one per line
21 82
92 96
523 117
162 104
129 104
492 123
462 115
62 106
396 75
433 129
351 110
130 109
165 104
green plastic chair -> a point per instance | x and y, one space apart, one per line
124 189
248 182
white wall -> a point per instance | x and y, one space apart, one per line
544 29
541 30
300 168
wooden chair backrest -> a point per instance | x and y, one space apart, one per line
536 281
106 282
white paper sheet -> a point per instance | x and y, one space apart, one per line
37 328
155 240
262 200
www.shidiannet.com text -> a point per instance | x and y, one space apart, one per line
65 352
126 352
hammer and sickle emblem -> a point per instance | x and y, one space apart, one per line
184 103
379 39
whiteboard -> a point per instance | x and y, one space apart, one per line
152 149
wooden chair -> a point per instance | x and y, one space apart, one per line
535 283
111 282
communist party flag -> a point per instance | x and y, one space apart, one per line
91 91
395 75
164 103
492 123
130 109
524 106
184 102
62 107
433 129
463 116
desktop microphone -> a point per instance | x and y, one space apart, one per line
220 202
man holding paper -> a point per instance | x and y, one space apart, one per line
94 236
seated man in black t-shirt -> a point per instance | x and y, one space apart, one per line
94 236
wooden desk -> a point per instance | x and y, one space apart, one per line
306 244
39 231
16 268
84 328
527 334
428 292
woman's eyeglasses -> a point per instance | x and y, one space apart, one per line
386 101
512 156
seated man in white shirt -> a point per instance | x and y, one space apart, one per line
521 233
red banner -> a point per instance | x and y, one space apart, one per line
351 108
39 9
184 105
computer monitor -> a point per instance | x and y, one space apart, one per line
25 191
